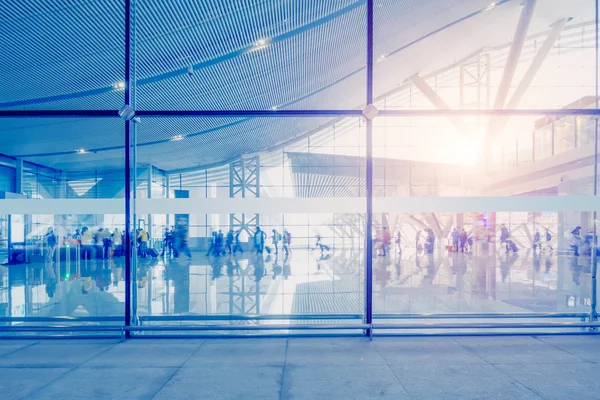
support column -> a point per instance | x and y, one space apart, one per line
19 176
244 181
149 195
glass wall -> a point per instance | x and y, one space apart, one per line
338 166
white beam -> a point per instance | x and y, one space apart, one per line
438 102
497 124
515 52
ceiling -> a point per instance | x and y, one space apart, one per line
69 54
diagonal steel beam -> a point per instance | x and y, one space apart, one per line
497 124
515 52
438 102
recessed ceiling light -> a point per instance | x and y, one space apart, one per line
119 85
81 151
490 6
177 137
381 58
274 108
260 43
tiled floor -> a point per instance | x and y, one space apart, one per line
543 367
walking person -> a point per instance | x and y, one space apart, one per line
87 243
213 245
229 241
287 240
238 246
117 243
276 238
463 240
180 237
259 240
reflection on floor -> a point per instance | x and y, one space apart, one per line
306 282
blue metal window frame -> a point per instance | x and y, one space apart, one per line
129 100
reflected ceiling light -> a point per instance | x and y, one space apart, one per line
490 6
119 85
177 137
274 108
381 58
81 151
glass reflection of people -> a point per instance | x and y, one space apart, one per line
51 280
117 272
86 277
217 268
51 241
213 244
398 241
233 266
506 262
259 268
287 269
277 269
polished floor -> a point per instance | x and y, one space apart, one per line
521 367
306 282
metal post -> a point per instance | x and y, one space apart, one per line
369 176
129 101
593 313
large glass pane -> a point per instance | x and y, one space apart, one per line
60 208
301 181
251 55
552 43
529 248
62 55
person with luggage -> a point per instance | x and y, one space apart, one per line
51 241
143 241
576 241
229 241
287 240
259 240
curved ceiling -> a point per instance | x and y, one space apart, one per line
250 54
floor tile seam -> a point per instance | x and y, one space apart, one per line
177 370
287 345
502 372
558 348
393 372
22 348
59 377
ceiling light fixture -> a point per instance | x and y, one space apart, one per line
177 138
82 151
119 85
490 6
381 58
260 43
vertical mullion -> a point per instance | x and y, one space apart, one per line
369 176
